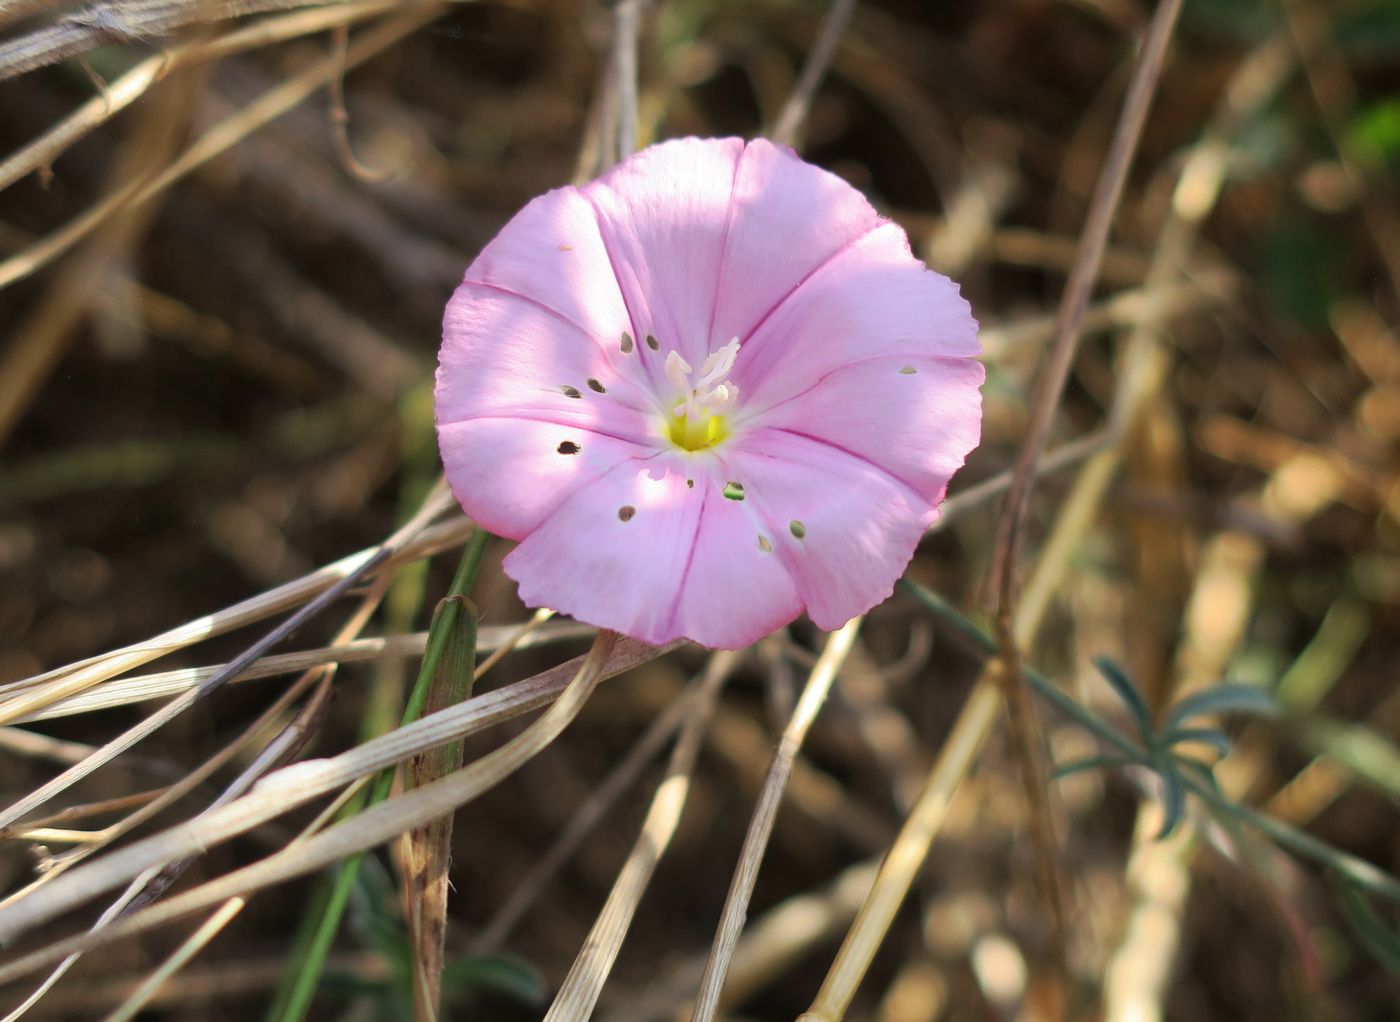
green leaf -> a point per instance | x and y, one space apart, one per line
1079 766
502 974
1204 735
1173 796
1375 935
1128 692
1227 698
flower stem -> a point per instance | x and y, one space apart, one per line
313 942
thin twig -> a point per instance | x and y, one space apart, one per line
626 33
1044 403
736 904
800 101
218 139
578 994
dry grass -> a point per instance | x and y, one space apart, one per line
222 265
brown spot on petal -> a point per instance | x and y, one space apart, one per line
569 447
908 371
595 386
626 343
798 530
625 513
653 343
571 392
764 545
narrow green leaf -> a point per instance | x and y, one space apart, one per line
1129 694
1079 766
1173 796
1226 698
1375 935
502 974
1204 735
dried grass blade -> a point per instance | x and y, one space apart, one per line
736 905
578 995
370 828
298 784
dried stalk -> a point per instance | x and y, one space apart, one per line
736 904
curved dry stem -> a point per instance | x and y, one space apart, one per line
800 102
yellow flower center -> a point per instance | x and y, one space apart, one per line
695 433
697 418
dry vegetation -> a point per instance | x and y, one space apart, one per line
225 246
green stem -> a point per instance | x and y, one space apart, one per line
1300 843
313 944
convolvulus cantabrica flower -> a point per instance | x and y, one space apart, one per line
706 391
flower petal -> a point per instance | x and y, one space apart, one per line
505 356
789 219
664 217
614 552
843 529
736 590
508 473
871 299
914 418
552 255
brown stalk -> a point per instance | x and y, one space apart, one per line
1044 402
799 102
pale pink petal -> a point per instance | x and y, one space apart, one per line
789 219
664 217
508 474
613 553
504 356
915 418
552 255
872 299
843 529
735 590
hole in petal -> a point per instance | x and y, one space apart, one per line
653 343
626 343
569 447
763 544
594 385
908 371
798 530
625 513
733 490
571 392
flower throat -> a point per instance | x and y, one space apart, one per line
697 420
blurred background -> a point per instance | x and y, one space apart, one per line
217 334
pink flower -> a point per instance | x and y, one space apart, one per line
706 391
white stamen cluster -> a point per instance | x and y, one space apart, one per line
711 394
